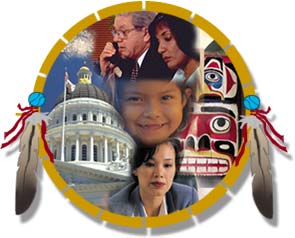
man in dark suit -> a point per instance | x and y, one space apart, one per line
132 49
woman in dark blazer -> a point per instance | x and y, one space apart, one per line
153 192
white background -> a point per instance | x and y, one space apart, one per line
262 31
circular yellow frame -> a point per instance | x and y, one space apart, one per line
220 189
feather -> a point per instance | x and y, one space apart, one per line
261 171
26 180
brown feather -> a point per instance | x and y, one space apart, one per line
26 180
261 171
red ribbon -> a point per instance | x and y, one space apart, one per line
261 115
43 132
243 146
27 112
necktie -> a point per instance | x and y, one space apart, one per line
134 72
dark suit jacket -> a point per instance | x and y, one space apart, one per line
153 66
127 201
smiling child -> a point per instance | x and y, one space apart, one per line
152 109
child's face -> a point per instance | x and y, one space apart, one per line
152 109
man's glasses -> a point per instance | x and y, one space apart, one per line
122 34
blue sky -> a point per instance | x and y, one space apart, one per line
55 80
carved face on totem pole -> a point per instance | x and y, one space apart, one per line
220 82
211 140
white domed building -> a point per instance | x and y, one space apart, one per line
96 147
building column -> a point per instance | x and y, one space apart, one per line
100 151
110 152
126 152
106 150
118 150
58 153
65 151
77 149
91 149
90 116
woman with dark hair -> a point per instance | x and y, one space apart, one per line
176 43
153 192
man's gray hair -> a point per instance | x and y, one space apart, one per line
140 19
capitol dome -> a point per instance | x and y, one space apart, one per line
90 128
84 90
